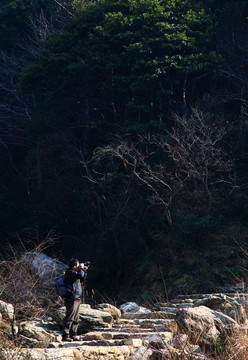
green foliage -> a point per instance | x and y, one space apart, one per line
122 58
219 345
194 228
235 271
186 284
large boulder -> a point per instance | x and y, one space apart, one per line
36 334
6 310
112 310
205 323
32 284
89 318
45 267
225 304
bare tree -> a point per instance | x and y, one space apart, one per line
112 203
195 147
187 161
40 28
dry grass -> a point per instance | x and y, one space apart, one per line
10 349
30 296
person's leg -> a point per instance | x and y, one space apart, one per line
70 313
75 322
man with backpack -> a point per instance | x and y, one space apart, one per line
74 277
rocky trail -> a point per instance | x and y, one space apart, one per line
135 336
154 334
184 328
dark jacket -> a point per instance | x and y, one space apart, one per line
73 280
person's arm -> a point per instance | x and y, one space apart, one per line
74 275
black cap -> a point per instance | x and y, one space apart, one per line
87 263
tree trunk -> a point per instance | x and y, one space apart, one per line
241 120
184 94
38 167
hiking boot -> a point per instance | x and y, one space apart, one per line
66 338
75 338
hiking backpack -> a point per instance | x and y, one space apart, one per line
61 287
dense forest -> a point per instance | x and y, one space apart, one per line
123 134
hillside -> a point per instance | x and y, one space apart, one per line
124 140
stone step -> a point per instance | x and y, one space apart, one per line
80 343
177 302
141 334
119 339
157 324
118 334
122 320
121 324
184 305
132 324
160 305
82 352
237 294
135 329
169 313
153 319
191 296
129 328
124 335
183 301
202 296
135 342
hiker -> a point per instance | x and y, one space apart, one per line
74 277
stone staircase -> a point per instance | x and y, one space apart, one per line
132 329
135 336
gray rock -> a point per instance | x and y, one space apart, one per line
7 310
225 304
89 319
155 342
34 332
93 335
202 320
27 342
45 267
129 307
132 307
143 353
112 310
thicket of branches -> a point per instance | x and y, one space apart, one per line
31 291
